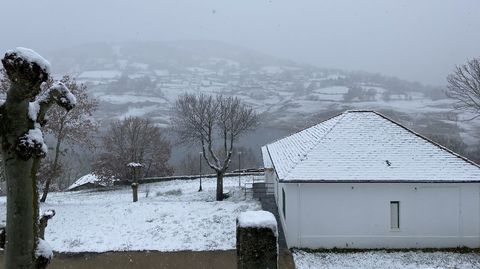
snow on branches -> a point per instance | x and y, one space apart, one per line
31 144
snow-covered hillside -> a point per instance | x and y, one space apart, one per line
144 79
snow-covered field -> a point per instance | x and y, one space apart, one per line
385 260
174 216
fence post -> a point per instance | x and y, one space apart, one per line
257 246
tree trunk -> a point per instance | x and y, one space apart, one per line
219 186
21 215
22 197
48 181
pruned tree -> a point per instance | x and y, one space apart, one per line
135 140
464 86
69 128
215 123
22 116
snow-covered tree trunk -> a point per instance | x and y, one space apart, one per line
21 117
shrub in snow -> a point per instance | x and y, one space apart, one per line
257 240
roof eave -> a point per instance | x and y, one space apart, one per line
375 181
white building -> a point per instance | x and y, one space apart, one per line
361 180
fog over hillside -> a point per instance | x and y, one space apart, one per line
145 78
414 40
296 62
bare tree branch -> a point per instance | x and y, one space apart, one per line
464 86
202 119
135 140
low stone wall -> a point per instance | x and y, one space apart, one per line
169 178
257 246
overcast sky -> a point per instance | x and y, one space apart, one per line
418 40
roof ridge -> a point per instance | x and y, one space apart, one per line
428 140
341 116
359 111
303 129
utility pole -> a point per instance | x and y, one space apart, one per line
200 165
239 167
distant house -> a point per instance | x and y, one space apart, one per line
361 180
88 181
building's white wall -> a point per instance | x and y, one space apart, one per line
327 215
270 179
275 185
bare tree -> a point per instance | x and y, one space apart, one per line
464 86
22 116
69 128
205 119
133 140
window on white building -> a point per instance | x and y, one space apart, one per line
395 215
283 203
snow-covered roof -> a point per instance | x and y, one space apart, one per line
369 147
267 163
132 164
88 178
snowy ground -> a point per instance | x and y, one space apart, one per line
384 260
174 216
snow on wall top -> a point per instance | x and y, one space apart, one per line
365 146
31 56
258 219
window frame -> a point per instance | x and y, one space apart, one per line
396 211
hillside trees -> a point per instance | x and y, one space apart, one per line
214 123
22 116
464 86
134 140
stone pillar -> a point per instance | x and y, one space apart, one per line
135 191
257 246
135 168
